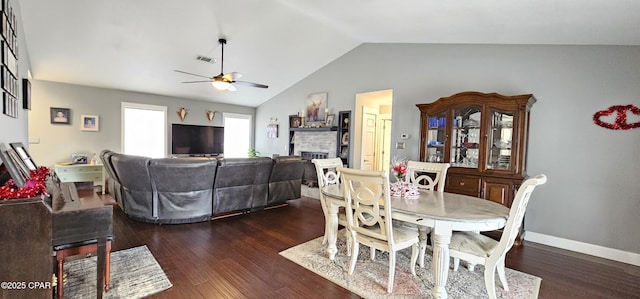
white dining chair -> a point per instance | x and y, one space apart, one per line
479 249
420 174
368 207
426 176
328 175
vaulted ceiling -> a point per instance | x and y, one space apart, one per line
137 45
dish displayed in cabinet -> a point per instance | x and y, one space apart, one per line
470 145
502 144
470 123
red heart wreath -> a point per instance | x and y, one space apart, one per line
621 117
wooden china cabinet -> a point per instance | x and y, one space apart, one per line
484 136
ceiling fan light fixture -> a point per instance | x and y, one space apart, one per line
221 85
223 82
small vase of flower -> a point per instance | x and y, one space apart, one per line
399 168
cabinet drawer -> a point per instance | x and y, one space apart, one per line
83 169
468 185
79 177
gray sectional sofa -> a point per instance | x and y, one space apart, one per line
186 190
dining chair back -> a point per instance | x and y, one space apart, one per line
418 174
426 176
326 170
479 249
368 207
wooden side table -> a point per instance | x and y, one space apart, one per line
82 173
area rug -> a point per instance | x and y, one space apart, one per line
135 273
369 279
310 192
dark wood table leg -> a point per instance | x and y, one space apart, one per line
60 260
101 252
107 268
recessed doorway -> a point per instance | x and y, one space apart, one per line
372 130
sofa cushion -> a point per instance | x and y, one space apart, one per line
184 188
115 188
137 193
241 184
285 180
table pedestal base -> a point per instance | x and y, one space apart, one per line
441 239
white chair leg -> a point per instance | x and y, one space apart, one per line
348 236
414 258
392 270
490 280
373 253
422 236
456 263
471 266
325 238
501 275
354 256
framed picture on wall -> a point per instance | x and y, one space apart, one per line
60 115
295 121
272 131
316 107
89 122
26 94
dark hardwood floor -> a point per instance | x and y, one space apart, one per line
237 257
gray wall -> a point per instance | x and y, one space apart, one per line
15 129
57 141
593 191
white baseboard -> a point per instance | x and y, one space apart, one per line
586 248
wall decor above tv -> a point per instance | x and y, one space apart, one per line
194 140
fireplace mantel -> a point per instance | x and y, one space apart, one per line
314 129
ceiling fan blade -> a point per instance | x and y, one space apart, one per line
223 81
200 81
191 74
245 83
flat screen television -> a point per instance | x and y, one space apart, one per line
197 140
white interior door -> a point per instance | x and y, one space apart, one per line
369 120
385 146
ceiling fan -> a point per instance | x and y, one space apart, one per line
223 81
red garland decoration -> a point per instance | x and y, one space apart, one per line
34 186
621 117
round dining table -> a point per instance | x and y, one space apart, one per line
443 212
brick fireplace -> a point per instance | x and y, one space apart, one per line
316 141
314 145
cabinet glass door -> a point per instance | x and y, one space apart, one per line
465 142
436 137
500 140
